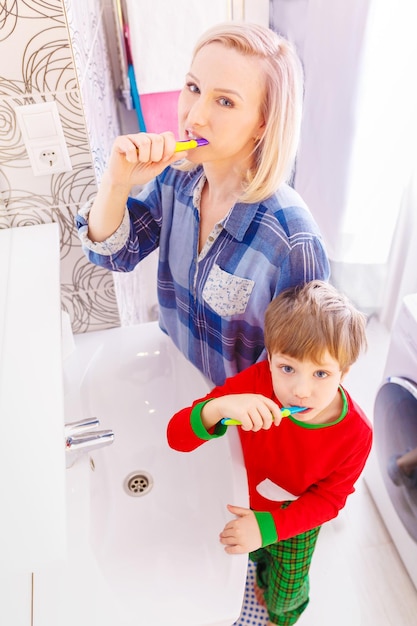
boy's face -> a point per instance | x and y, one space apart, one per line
308 384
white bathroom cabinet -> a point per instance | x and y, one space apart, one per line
32 450
16 599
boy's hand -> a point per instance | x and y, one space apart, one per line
241 535
253 410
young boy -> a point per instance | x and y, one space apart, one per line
300 468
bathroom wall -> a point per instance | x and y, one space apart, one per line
55 50
348 111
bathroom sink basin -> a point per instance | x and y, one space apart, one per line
143 520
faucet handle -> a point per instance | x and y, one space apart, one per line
89 441
75 428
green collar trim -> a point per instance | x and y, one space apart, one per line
315 426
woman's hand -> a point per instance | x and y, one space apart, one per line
136 159
241 535
253 410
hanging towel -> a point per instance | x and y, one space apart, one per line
160 111
163 35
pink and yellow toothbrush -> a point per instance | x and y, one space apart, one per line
285 412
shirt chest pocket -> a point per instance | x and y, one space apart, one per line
226 293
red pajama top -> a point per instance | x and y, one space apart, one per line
317 463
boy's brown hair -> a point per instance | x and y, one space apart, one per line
306 321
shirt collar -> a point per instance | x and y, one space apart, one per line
238 219
342 415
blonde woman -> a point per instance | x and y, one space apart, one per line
231 233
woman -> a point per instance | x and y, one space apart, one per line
231 233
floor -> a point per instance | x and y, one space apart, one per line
357 576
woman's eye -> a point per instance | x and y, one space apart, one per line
225 102
321 374
193 88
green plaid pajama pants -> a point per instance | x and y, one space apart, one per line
282 573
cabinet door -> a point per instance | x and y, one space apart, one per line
15 599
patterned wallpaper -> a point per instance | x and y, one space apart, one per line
55 50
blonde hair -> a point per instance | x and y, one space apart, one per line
275 152
306 321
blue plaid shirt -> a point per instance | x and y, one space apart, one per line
212 303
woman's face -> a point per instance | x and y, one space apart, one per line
221 102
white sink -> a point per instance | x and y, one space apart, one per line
153 559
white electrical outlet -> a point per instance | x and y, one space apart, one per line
47 159
44 138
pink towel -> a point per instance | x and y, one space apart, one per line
160 111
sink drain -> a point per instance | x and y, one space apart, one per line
138 484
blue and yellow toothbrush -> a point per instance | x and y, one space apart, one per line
285 412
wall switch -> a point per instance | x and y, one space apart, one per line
44 138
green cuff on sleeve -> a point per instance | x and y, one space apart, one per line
267 527
198 426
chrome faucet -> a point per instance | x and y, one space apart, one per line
81 437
